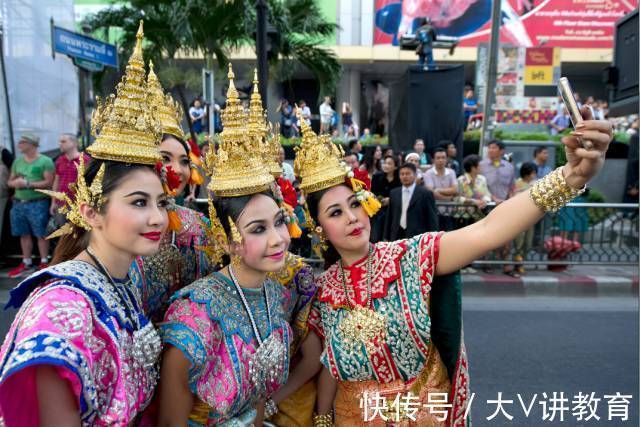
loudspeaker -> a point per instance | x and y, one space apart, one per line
622 77
427 104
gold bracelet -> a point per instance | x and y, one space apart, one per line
325 420
552 192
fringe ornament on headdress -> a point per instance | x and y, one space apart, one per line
369 202
92 196
282 191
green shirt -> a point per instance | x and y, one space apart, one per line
32 172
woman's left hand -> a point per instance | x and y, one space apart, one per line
583 164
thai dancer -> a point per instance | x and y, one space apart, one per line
227 337
80 350
374 308
182 256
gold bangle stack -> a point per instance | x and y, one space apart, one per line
325 420
552 192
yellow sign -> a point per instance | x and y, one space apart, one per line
538 75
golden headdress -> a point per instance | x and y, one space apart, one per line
237 167
320 166
92 196
169 111
126 125
261 131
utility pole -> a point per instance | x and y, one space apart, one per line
491 76
261 48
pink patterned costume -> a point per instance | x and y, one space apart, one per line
208 323
94 334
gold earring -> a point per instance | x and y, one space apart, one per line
236 260
235 234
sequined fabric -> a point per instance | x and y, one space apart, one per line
179 262
402 275
72 318
207 322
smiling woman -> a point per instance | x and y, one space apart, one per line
80 350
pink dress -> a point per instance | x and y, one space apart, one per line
94 334
208 323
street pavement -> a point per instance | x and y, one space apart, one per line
535 345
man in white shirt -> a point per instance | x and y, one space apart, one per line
326 114
442 181
287 169
305 111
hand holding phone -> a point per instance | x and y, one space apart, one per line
572 106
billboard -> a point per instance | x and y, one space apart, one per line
527 23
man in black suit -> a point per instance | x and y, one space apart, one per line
412 208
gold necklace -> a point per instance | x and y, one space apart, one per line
363 325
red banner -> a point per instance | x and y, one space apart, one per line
555 23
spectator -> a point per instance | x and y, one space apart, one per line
442 181
356 148
412 208
366 134
196 113
574 220
418 148
5 171
469 105
347 117
372 160
560 122
203 193
452 153
524 240
287 169
287 119
500 177
326 114
540 157
472 190
381 185
66 172
499 173
351 159
415 159
351 134
387 152
305 111
30 211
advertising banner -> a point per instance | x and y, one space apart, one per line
527 23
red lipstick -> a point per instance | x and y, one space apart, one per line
356 232
153 235
277 256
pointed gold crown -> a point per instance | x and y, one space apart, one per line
237 167
169 111
126 125
261 131
318 161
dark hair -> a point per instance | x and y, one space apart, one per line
71 245
182 142
527 169
409 166
538 150
439 150
331 255
497 142
368 159
445 143
470 161
394 158
232 207
353 143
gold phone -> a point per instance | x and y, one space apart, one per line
564 87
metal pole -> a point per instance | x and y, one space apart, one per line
88 101
492 73
261 48
6 90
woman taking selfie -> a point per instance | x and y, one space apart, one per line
374 308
